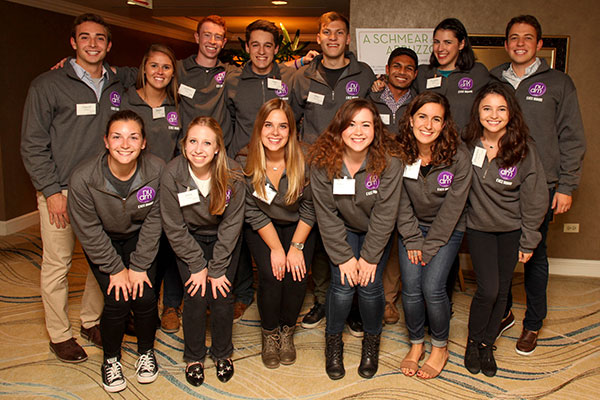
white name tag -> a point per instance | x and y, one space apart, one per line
434 82
412 171
478 157
188 197
86 109
158 112
343 186
186 91
274 84
269 192
385 118
315 98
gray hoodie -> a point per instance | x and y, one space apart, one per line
181 223
98 214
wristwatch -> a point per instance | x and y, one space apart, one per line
299 246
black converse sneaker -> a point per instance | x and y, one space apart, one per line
112 376
146 367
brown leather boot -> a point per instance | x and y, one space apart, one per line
270 348
287 352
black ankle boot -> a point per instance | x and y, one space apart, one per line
487 361
370 356
334 356
472 362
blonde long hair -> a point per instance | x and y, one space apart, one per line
256 163
220 173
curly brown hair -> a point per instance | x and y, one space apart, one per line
444 148
512 146
327 152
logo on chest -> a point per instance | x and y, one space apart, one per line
115 100
283 91
145 196
536 91
465 85
173 118
445 179
372 184
506 175
220 77
352 88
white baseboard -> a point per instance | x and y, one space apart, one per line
557 266
17 224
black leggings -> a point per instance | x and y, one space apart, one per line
279 302
116 313
194 310
494 256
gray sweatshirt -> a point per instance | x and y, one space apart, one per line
460 88
163 130
372 210
259 213
181 223
386 114
507 199
98 214
56 133
246 93
548 99
310 88
436 200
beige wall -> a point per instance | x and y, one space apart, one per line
578 19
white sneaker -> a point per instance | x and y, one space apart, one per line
146 367
112 376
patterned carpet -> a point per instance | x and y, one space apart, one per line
566 364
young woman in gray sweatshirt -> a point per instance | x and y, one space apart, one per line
203 213
356 191
431 224
507 203
114 210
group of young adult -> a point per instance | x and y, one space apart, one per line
322 161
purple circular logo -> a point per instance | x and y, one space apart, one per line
352 88
465 84
445 179
537 89
220 77
507 173
372 182
146 194
283 91
227 196
115 99
173 118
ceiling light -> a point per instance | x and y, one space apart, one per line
279 2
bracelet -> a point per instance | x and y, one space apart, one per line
296 64
302 61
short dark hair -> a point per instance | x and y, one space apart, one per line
525 19
215 19
89 17
466 57
263 25
331 16
403 51
125 115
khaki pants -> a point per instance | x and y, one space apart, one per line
391 274
58 245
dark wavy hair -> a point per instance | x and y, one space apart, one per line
466 57
444 148
327 152
512 146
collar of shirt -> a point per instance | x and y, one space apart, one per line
512 78
87 78
392 104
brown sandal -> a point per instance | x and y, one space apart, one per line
429 370
410 364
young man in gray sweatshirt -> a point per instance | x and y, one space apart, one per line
65 115
548 99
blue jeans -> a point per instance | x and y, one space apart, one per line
371 298
424 290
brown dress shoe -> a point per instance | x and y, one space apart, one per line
527 342
169 321
69 351
92 335
391 314
238 311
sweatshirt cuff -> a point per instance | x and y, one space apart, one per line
50 190
565 189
